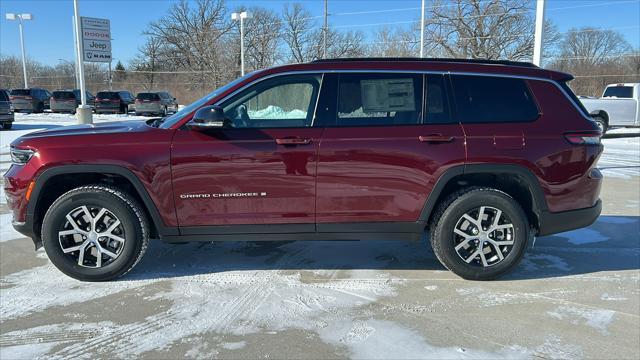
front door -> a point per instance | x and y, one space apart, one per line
258 170
380 157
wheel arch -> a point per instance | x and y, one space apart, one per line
48 187
515 180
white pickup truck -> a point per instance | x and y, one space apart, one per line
618 106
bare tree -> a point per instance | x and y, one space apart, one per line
398 42
590 47
149 60
498 29
298 32
191 38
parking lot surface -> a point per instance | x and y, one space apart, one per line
575 294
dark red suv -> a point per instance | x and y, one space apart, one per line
482 154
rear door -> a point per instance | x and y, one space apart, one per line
258 170
380 157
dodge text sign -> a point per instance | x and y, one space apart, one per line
96 39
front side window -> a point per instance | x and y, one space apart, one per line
487 99
284 101
379 99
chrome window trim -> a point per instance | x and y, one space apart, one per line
471 73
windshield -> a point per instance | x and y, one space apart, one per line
624 92
108 95
63 95
21 92
147 96
171 120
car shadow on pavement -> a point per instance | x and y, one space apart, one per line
611 244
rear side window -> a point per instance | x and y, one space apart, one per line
148 96
379 99
622 92
486 99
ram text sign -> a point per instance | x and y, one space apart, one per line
96 39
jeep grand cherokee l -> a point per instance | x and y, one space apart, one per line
483 155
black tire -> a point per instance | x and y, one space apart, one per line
124 207
461 202
39 108
602 124
7 125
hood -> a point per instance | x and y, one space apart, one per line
90 129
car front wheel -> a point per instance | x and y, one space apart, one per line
95 233
479 233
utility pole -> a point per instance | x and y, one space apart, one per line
325 30
110 76
241 16
20 18
422 30
539 33
83 112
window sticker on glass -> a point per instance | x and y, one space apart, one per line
387 95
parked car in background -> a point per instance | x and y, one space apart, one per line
30 100
618 106
6 110
113 101
68 100
483 155
155 103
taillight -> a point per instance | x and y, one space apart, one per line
584 137
11 98
138 101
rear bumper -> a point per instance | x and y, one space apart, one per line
557 222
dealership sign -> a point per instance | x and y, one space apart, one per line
96 39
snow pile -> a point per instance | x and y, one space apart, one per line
276 112
621 157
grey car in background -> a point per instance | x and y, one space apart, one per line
68 100
155 103
113 101
30 100
6 110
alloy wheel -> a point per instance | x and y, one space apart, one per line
483 236
92 235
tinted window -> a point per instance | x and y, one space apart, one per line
437 105
63 95
285 101
625 92
485 99
379 99
148 96
574 98
3 96
107 95
21 92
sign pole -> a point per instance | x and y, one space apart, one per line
83 112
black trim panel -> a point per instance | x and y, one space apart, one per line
306 236
553 223
368 227
247 229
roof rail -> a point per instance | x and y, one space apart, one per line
416 59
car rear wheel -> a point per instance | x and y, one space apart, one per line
602 124
479 233
7 126
95 233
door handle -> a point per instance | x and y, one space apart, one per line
435 138
293 141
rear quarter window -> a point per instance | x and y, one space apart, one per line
487 99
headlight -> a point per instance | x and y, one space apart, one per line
21 156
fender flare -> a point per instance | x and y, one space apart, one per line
49 173
531 181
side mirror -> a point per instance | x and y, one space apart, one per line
208 117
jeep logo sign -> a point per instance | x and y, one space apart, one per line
96 39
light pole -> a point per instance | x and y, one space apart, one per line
83 112
422 30
20 18
241 16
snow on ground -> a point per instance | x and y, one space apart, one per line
621 157
276 112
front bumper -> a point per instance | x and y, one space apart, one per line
557 222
